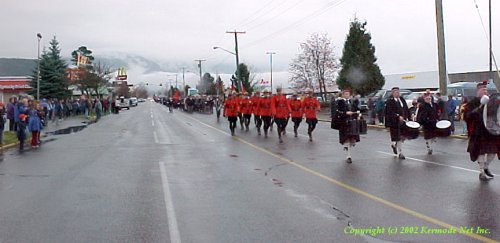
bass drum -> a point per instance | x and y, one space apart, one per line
411 130
491 114
443 128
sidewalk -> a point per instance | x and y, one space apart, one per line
324 116
50 128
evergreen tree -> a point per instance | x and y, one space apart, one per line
207 84
359 69
53 82
244 77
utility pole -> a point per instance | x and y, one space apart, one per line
443 74
199 66
183 80
237 54
270 53
491 49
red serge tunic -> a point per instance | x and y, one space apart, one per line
231 107
246 106
296 107
255 105
281 107
265 106
310 106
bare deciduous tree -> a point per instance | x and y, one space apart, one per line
316 65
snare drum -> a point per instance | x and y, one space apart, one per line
411 129
443 128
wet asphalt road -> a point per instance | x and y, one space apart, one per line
147 175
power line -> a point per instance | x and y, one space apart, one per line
263 14
487 36
301 21
255 13
276 16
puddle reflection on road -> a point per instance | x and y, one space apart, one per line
68 130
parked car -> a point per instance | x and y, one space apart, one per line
123 103
385 93
467 89
133 101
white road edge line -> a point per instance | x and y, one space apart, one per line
173 228
434 163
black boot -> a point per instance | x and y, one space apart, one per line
488 173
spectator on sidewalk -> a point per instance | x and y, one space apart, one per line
441 104
2 122
20 107
98 109
10 113
461 113
451 107
34 126
21 131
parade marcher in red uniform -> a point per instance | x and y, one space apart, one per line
255 110
265 111
428 116
348 113
281 111
296 112
310 106
483 146
246 110
238 99
231 111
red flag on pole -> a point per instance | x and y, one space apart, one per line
242 88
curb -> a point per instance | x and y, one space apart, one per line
383 127
9 146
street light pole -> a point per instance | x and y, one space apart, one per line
270 53
39 36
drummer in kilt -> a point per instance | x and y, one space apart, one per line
396 113
348 115
483 146
428 116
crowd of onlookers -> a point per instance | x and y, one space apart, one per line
25 115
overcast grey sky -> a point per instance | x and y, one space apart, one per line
167 31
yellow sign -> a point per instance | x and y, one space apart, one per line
408 77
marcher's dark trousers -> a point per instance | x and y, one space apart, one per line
267 122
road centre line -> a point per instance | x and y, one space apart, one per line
350 188
173 228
